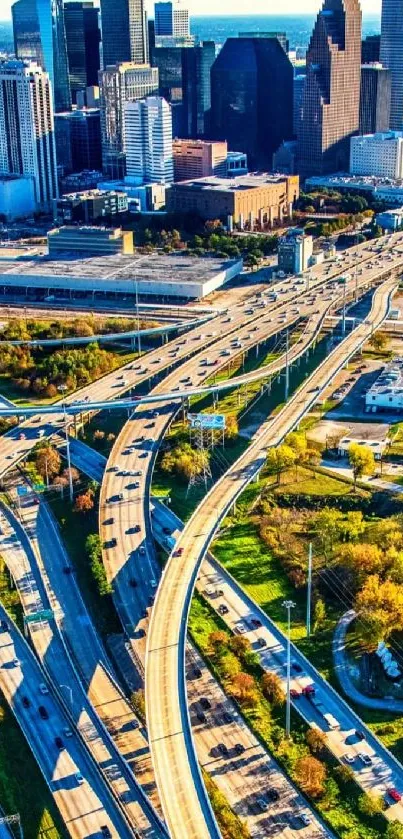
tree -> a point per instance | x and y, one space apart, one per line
60 482
370 805
244 688
94 552
394 830
240 645
319 613
48 462
218 640
361 460
381 610
311 775
379 341
327 525
75 475
280 458
316 740
345 774
84 503
361 559
272 688
231 427
185 461
139 704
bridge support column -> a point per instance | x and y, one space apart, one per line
257 350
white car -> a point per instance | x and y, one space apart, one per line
305 819
239 628
43 689
349 758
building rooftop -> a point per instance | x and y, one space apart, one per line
344 179
89 193
390 380
173 268
241 182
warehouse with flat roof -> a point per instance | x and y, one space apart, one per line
161 276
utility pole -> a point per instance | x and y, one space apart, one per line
288 604
66 431
344 309
309 593
287 366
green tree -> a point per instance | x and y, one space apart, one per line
371 805
394 830
280 458
379 341
94 553
361 460
319 613
328 525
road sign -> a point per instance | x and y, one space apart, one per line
42 615
23 490
39 487
214 422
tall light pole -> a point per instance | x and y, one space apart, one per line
309 593
66 431
288 604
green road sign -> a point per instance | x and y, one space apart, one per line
43 615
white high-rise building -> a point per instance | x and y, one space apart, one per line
172 19
27 137
380 155
148 140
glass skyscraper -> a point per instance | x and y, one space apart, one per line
392 56
124 31
83 38
39 35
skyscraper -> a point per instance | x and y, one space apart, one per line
39 35
125 82
78 140
331 100
83 38
171 19
147 140
252 97
374 98
392 56
124 31
371 49
184 81
27 140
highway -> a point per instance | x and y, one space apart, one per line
73 780
48 641
168 723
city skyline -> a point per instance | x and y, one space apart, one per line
238 7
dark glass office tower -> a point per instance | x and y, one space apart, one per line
375 99
83 38
39 35
252 97
371 49
184 81
331 101
392 56
124 31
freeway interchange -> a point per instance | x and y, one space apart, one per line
155 615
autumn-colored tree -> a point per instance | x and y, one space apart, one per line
75 475
240 645
61 483
185 461
218 640
231 427
311 775
362 559
345 774
316 739
111 437
380 605
379 341
84 503
361 460
139 704
98 434
243 688
280 458
47 462
272 688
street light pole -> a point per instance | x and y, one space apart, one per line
288 604
68 456
309 593
69 689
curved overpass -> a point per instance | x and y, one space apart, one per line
168 724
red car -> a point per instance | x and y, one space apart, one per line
179 552
394 794
309 690
295 694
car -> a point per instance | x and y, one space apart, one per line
25 701
262 804
59 743
178 552
67 732
273 794
132 582
305 819
239 628
67 569
261 642
43 689
365 759
197 673
79 778
4 626
394 794
256 623
227 717
16 662
142 550
222 749
120 496
22 436
223 609
167 531
205 703
359 734
309 690
153 584
295 694
201 716
43 712
239 748
297 667
105 831
349 758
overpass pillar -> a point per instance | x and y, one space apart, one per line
257 350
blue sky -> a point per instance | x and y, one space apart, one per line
239 7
